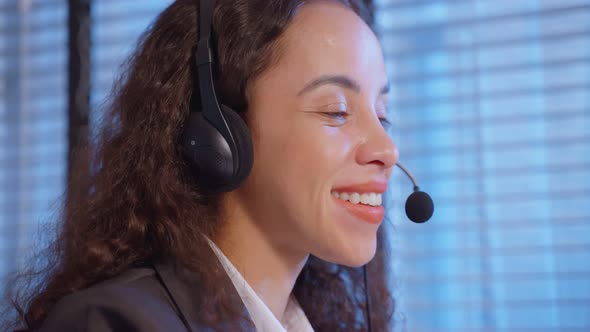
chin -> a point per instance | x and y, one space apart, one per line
352 256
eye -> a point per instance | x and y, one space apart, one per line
337 112
337 115
385 123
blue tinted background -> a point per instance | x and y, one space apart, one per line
33 123
491 111
491 105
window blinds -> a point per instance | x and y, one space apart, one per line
33 105
33 122
116 27
490 104
491 110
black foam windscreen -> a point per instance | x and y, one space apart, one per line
419 207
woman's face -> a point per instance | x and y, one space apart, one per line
315 119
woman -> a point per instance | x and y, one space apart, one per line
145 247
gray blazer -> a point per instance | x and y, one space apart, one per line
156 298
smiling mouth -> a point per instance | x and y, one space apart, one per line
372 214
371 198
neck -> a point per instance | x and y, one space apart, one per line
271 270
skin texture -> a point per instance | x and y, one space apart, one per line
285 211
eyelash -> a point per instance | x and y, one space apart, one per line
385 123
343 115
337 115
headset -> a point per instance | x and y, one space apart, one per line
215 140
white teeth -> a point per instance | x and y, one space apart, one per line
355 198
365 198
373 199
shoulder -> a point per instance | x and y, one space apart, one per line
132 301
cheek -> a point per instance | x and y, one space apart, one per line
297 151
317 152
337 143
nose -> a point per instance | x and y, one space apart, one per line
377 147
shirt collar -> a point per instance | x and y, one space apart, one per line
295 319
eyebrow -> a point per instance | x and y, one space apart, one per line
339 80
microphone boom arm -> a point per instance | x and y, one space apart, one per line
405 170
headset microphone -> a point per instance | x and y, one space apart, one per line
419 205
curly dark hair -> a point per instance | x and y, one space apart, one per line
159 210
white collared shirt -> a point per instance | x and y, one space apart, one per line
295 319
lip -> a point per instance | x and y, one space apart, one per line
368 213
367 187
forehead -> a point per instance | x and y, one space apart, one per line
326 37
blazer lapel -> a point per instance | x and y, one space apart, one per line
191 299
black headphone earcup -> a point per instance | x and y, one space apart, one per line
218 166
216 140
207 152
243 139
